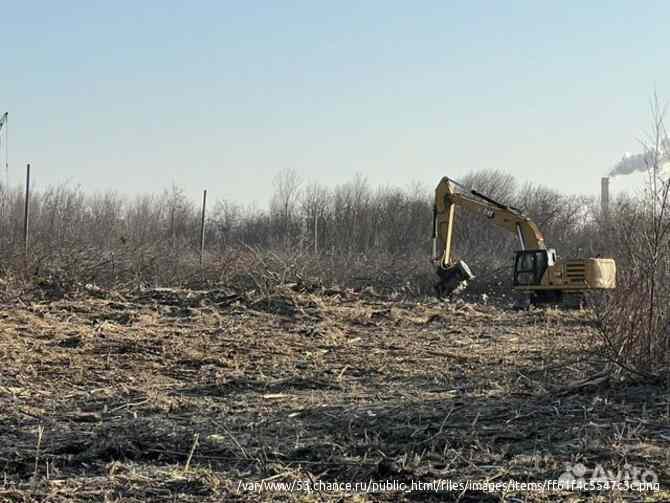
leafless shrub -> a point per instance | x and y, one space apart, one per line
635 322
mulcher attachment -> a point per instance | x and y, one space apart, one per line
452 277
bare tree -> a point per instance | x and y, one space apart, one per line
284 203
314 208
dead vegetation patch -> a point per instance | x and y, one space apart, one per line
180 394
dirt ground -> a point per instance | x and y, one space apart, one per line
166 395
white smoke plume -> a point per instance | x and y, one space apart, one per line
644 161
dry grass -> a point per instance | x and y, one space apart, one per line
178 395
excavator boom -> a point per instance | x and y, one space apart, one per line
507 217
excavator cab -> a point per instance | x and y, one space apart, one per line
530 266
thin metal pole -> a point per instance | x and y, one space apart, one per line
202 226
316 234
173 237
6 151
26 215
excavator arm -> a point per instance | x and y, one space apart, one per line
509 218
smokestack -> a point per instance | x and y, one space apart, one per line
605 197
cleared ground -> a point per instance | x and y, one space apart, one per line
181 396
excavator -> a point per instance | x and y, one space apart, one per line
539 275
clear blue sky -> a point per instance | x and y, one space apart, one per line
135 96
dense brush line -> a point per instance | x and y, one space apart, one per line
352 218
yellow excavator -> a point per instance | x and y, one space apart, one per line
538 272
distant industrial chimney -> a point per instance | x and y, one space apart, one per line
605 197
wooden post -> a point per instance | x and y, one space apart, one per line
26 216
202 226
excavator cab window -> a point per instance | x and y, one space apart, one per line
529 267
